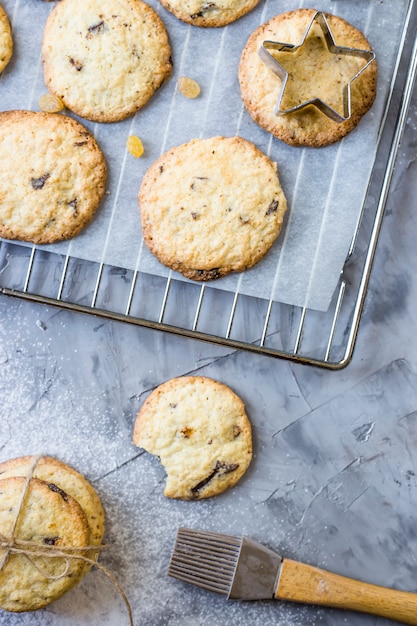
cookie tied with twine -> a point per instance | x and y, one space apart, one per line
48 541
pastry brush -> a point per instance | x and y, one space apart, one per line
243 569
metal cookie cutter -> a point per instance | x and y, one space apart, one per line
281 72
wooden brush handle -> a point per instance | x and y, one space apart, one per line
299 582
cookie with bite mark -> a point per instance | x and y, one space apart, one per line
199 430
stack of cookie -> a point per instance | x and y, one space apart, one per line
46 509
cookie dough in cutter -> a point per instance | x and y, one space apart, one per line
281 72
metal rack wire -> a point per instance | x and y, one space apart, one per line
206 313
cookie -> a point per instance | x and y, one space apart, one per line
211 206
54 471
48 517
105 58
52 178
313 73
6 41
199 430
206 13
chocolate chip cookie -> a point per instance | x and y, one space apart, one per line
211 206
199 429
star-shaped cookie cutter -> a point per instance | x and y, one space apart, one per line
271 62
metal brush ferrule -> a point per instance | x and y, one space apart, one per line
256 573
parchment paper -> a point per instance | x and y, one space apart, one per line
325 187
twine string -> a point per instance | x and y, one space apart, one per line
31 549
28 478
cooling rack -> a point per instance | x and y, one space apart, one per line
203 311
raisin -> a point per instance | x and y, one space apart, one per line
53 487
236 431
50 103
187 431
188 87
194 215
135 146
273 207
38 183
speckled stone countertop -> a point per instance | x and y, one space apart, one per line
334 474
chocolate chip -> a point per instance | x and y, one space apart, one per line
73 205
96 29
50 541
38 183
209 274
195 490
209 6
53 487
78 66
220 469
273 207
193 185
228 468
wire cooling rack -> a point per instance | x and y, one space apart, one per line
206 313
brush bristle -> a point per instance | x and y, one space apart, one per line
205 559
